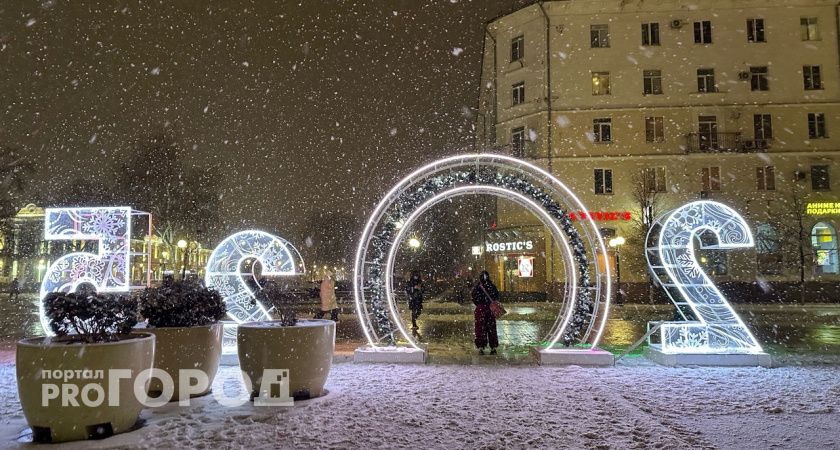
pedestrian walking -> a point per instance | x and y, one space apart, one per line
414 291
14 289
484 294
329 302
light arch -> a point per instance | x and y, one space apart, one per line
582 318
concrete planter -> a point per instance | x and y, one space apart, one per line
184 348
305 350
72 391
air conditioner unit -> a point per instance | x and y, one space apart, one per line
799 175
743 75
676 24
704 194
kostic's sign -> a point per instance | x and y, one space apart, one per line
518 246
601 216
822 208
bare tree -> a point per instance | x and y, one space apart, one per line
786 236
648 200
15 166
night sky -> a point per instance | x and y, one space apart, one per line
307 105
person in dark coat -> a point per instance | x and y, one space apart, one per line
14 289
483 294
414 291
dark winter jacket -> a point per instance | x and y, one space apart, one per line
414 291
478 295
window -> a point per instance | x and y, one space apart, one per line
600 83
703 32
816 126
517 141
711 178
599 36
652 80
603 181
819 178
765 178
654 129
654 179
762 127
706 80
824 241
517 48
758 79
650 33
811 77
755 30
707 132
768 257
518 93
602 129
809 29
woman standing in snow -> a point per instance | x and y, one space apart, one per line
483 294
414 291
328 299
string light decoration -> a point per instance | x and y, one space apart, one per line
709 325
503 176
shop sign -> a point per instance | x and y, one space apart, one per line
601 216
516 246
822 208
526 266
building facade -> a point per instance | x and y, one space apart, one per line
640 107
25 254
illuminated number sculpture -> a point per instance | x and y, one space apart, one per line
107 270
584 312
710 324
224 274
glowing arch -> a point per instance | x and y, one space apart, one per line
223 273
586 308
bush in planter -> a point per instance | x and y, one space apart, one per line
184 316
181 304
283 298
92 339
303 347
91 317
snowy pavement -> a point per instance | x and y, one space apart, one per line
633 405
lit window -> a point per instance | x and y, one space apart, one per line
824 242
600 83
809 29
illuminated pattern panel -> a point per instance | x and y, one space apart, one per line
224 274
107 270
717 328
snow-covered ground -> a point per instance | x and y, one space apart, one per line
633 405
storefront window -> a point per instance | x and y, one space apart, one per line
824 241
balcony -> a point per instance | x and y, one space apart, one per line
724 143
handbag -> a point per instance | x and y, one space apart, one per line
496 308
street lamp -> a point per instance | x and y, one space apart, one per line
414 243
616 243
182 244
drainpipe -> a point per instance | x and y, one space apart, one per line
547 79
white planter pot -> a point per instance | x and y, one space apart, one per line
305 349
179 348
87 400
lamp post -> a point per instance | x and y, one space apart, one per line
616 243
182 244
414 243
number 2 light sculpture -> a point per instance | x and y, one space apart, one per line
710 324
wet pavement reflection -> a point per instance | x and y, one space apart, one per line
447 328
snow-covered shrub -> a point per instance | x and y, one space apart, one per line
185 303
91 317
283 298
